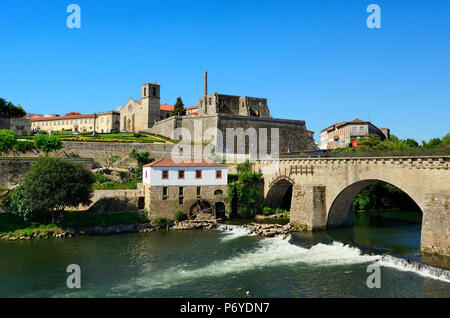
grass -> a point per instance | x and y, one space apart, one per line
14 226
128 137
115 185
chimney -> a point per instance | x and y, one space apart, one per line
205 83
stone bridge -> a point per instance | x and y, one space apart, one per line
321 190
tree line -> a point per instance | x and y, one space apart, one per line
375 143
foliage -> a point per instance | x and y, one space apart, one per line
163 222
446 140
109 161
53 184
23 147
178 109
7 108
137 135
179 216
142 158
115 185
245 166
18 204
384 196
7 140
373 143
244 194
47 143
432 143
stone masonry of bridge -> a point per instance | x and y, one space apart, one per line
323 190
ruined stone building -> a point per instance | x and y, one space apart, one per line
217 111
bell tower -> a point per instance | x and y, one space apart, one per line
150 104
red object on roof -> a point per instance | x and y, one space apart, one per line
185 162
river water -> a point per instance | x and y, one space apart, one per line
227 262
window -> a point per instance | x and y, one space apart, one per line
145 91
199 191
164 193
198 174
361 130
180 200
218 192
145 173
154 91
181 191
218 174
353 130
165 174
180 174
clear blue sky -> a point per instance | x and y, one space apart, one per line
314 60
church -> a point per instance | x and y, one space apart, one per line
214 111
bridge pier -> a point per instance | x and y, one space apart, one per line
308 207
435 237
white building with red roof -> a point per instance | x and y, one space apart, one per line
194 186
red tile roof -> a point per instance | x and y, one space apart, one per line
72 115
192 107
185 162
166 107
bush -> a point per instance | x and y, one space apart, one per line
18 205
47 143
163 222
179 216
267 210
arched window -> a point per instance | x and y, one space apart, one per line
218 192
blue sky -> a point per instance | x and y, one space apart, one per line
314 60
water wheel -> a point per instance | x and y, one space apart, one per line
200 207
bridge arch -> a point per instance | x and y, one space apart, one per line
340 213
279 194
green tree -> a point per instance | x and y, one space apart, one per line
142 158
244 194
446 140
7 141
54 184
47 143
245 166
8 109
432 143
178 109
411 143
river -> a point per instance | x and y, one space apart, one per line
226 262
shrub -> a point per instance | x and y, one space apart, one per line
267 210
47 143
179 216
163 222
18 205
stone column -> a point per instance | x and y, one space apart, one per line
308 207
435 237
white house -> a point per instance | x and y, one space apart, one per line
167 172
195 188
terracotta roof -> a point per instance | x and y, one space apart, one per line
193 113
193 107
68 116
185 162
166 107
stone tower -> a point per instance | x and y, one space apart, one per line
150 105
